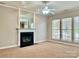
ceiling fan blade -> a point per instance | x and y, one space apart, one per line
52 13
52 9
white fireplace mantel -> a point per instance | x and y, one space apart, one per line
26 30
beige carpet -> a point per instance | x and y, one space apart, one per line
41 50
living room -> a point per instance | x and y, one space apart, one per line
39 29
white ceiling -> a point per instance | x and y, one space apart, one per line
35 5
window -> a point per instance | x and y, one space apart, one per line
66 27
76 29
56 29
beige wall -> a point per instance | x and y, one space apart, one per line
49 28
40 24
8 24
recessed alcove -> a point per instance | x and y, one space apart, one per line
26 31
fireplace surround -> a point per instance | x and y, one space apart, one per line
26 37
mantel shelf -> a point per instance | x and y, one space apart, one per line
26 29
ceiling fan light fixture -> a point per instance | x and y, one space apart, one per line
45 11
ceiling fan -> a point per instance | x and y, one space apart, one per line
45 9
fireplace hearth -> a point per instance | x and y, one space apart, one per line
26 38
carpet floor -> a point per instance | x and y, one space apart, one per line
41 50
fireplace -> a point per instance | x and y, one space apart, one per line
26 38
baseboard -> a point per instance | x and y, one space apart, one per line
60 42
39 41
8 47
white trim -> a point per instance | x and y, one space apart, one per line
8 46
34 27
40 41
8 6
24 9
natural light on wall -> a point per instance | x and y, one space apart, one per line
56 29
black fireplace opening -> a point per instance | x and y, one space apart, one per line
26 39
